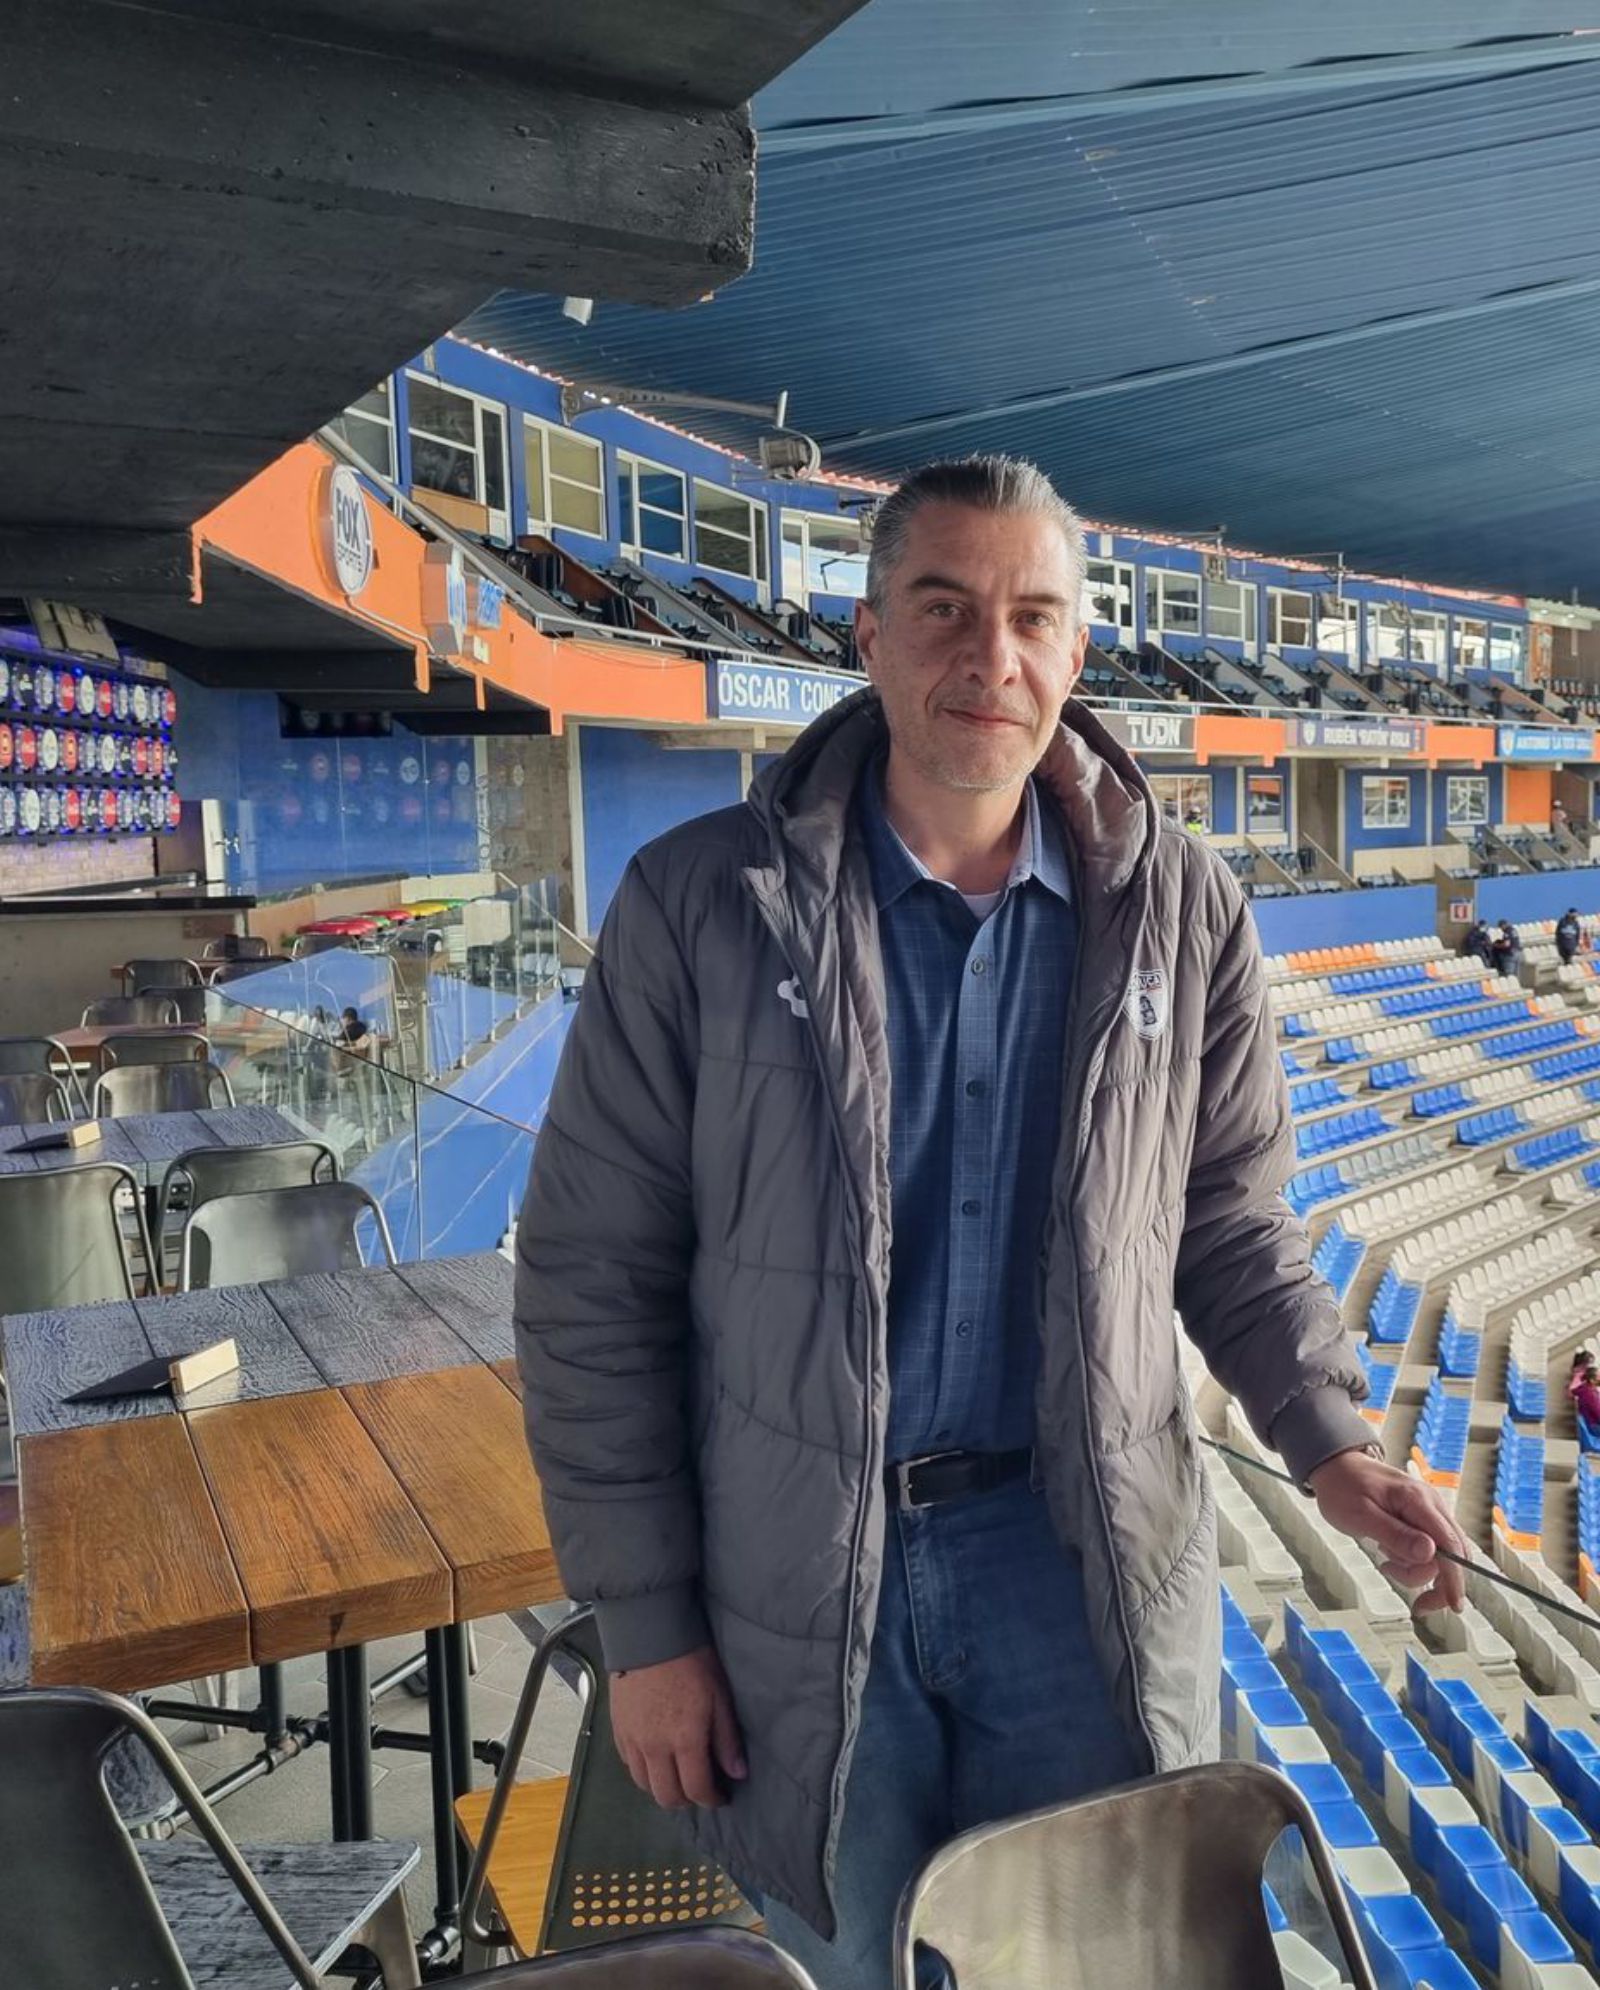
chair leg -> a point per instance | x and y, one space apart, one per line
387 1938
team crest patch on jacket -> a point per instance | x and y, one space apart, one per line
1149 1004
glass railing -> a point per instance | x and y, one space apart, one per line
447 1172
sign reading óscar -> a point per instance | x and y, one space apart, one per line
768 691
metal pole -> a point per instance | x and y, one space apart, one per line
447 1870
350 1742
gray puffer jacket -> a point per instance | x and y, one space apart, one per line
704 1255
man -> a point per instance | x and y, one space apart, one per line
902 1104
1506 948
1478 940
1569 935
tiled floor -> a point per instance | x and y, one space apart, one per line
292 1804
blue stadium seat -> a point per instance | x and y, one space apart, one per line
1437 1099
1459 1349
1392 1074
1338 1258
1483 1129
1520 1042
1393 1311
1550 1150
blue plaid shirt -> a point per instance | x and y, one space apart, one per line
977 1018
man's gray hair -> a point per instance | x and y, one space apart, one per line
987 483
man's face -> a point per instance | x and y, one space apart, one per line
977 646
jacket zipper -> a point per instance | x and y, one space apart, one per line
853 1190
1077 1098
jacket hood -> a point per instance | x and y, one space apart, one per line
803 800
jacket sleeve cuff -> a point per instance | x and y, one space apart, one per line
1317 1426
648 1630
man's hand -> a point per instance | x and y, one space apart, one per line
1363 1497
676 1731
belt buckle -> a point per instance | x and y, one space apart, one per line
902 1478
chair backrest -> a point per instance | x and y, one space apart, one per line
174 972
61 1237
207 1172
237 946
29 1098
92 1918
151 1010
236 970
1155 1884
181 1049
187 1087
33 1056
190 1002
612 1835
279 1233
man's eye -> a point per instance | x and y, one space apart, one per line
1038 618
945 609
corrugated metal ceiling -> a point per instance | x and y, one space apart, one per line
1359 316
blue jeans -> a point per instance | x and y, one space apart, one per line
983 1699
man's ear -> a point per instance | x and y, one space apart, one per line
869 626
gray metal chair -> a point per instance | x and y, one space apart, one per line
236 946
153 1011
62 1241
86 1905
610 1837
1151 1885
692 1959
190 1002
279 1233
41 1056
176 1048
191 1086
204 1173
176 971
26 1101
237 970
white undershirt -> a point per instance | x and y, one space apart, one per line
981 903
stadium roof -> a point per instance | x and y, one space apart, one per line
1328 279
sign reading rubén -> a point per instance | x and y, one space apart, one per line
1361 735
1151 732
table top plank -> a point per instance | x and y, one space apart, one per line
49 1356
161 1137
363 1326
473 1295
115 1145
130 1580
249 1126
455 1442
330 1551
146 1142
271 1361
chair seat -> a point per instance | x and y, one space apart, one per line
325 1893
524 1855
10 1536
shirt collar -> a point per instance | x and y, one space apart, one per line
1041 857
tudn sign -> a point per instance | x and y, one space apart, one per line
349 531
1151 732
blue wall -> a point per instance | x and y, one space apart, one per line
1336 919
310 810
1358 837
634 790
1539 896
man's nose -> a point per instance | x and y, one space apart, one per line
991 654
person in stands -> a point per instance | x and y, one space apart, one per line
354 1034
1584 1358
1478 940
1558 817
1506 948
903 1104
1586 1402
1569 934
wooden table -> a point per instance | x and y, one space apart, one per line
363 1476
147 1142
86 1045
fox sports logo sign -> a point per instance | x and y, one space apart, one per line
349 531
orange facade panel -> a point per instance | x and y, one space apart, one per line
1474 744
280 526
1241 737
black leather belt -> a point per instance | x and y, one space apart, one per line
945 1475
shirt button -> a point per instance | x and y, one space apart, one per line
980 965
975 1088
963 1328
971 1206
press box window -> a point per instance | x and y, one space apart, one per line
1466 801
1108 596
1172 602
367 426
566 479
729 532
1290 618
1184 799
651 508
1338 626
1231 612
1385 801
